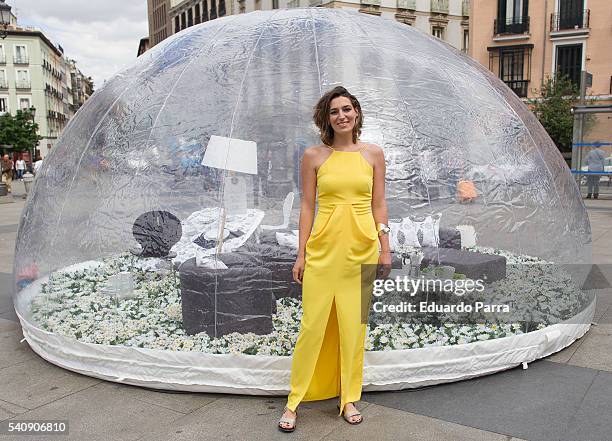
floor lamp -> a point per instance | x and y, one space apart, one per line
235 156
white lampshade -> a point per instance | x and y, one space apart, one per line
231 154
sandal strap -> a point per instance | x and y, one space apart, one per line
287 420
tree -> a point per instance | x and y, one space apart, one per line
553 109
20 130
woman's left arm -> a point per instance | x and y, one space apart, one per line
379 203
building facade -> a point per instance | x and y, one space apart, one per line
523 42
34 73
445 19
159 24
82 86
187 13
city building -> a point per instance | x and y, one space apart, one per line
34 73
445 19
82 86
186 13
159 23
523 42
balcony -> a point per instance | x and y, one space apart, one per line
439 6
465 8
406 4
515 25
22 84
520 87
370 7
21 59
575 21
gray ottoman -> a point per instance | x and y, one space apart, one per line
244 301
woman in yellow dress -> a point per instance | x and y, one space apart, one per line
349 177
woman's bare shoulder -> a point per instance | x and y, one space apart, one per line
374 148
315 151
316 148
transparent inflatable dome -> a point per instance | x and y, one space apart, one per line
157 244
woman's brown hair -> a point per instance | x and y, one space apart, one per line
321 115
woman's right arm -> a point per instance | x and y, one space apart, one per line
307 206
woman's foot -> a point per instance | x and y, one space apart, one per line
351 414
287 421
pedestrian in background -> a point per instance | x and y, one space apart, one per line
37 164
7 171
595 162
20 166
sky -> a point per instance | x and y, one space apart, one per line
101 35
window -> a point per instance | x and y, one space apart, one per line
569 62
183 20
571 14
466 40
274 4
213 9
221 8
3 82
198 16
512 17
2 55
3 104
21 54
23 79
189 17
257 5
177 24
205 10
24 103
513 66
438 31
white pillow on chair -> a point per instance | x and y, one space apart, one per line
416 231
431 230
402 234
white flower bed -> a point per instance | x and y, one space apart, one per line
72 304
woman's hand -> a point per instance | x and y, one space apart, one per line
384 264
298 269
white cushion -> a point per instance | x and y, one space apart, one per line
290 240
402 234
468 235
431 230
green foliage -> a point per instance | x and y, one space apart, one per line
553 109
20 130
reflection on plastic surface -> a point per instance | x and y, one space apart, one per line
138 144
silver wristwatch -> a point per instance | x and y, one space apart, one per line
383 229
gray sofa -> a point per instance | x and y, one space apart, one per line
260 272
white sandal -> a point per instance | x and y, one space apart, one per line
287 421
350 415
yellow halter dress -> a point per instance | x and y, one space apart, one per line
328 355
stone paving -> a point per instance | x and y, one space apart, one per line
567 396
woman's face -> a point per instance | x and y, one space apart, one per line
342 114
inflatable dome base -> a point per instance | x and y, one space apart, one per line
242 373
